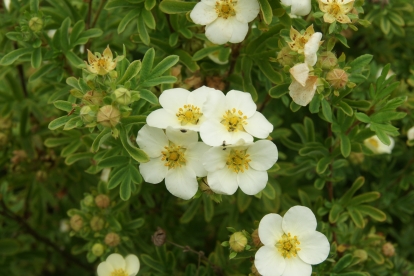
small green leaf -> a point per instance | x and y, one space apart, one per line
9 247
114 161
42 71
64 34
343 263
14 55
36 57
63 105
345 145
136 153
148 96
95 144
335 212
364 198
134 224
164 65
142 31
326 110
74 59
319 183
323 164
125 189
116 177
174 7
132 70
202 53
360 62
191 211
56 123
78 156
266 11
356 217
127 19
373 212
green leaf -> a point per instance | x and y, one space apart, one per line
304 198
14 55
63 105
142 31
134 224
208 208
36 57
9 247
150 262
375 255
269 72
125 189
335 212
373 212
266 11
191 211
385 25
150 4
186 59
78 156
243 201
323 164
57 123
356 217
95 144
159 80
205 52
55 142
326 110
164 65
42 71
135 174
71 148
74 59
345 145
114 161
319 183
148 96
360 62
132 70
84 37
358 183
269 191
64 34
175 7
346 108
127 19
363 198
362 117
73 123
113 4
76 31
148 19
116 177
34 6
343 263
134 119
136 153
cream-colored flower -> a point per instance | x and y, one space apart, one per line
101 65
378 147
299 40
336 10
116 265
298 7
410 133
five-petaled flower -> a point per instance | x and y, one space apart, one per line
175 156
298 7
225 20
336 10
116 265
101 65
240 165
378 147
298 40
291 244
232 117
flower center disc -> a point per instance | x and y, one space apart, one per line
189 114
288 246
225 8
173 156
373 142
234 120
119 272
335 9
238 161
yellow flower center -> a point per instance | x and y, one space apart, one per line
288 246
334 9
189 114
225 8
234 120
238 161
373 142
173 156
119 272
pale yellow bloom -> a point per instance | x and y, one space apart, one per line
299 40
101 65
336 10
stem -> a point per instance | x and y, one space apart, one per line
98 12
21 74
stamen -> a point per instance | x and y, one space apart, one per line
238 160
288 246
119 272
225 8
173 156
189 114
234 120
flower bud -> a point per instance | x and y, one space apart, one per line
36 24
388 249
112 239
123 96
337 78
88 201
76 223
361 255
238 241
284 57
98 249
108 116
93 97
327 60
356 158
102 201
256 239
96 223
113 74
159 237
87 115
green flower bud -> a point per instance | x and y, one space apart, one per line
102 201
238 241
96 223
88 200
98 249
285 58
112 239
93 97
327 60
361 255
113 74
76 223
36 24
87 114
337 78
123 96
108 116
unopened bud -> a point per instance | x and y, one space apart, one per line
388 249
327 60
361 255
102 201
87 114
284 57
112 239
337 78
238 241
123 96
159 237
108 116
41 175
98 249
113 74
96 223
256 239
356 158
93 97
76 223
88 201
36 24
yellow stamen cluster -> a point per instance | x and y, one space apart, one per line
225 8
288 246
119 272
373 142
234 120
173 156
189 114
238 161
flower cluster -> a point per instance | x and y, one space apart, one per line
227 154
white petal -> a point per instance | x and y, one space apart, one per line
263 155
152 140
314 248
194 158
378 147
215 159
181 182
242 101
181 138
295 267
270 229
298 221
214 107
239 30
116 261
153 171
286 2
258 126
213 133
223 181
247 10
251 181
300 72
311 47
173 99
209 2
104 269
199 96
269 261
161 118
301 7
236 136
132 265
219 31
302 95
203 14
410 134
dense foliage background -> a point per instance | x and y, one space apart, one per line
70 189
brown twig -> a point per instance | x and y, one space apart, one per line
98 12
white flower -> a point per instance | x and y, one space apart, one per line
378 147
116 265
410 133
240 165
232 117
7 4
311 47
175 156
182 109
225 20
298 7
291 244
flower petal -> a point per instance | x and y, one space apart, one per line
107 53
116 261
236 136
298 221
301 7
328 18
223 181
209 2
152 140
181 182
251 181
300 72
181 138
242 101
215 107
213 133
199 96
203 14
194 157
132 265
219 31
215 159
263 155
311 47
342 18
246 10
105 269
302 95
270 229
295 267
173 99
239 30
161 118
91 57
258 126
269 262
153 171
314 248
286 2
